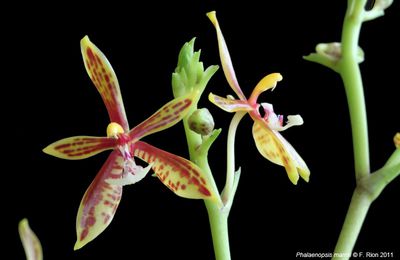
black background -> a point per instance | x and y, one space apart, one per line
47 96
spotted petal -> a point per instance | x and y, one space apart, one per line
30 242
180 175
226 58
79 147
100 201
167 116
229 105
276 149
105 80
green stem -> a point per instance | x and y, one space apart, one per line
356 214
382 177
227 194
217 217
351 76
394 158
219 230
345 61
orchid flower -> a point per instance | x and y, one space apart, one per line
102 198
30 242
266 128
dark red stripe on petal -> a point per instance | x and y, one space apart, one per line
165 117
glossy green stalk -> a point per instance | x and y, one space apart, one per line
229 189
369 186
217 216
344 58
351 76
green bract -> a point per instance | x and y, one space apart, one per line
189 74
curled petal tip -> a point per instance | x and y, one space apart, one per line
268 82
213 17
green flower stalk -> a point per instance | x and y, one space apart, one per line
344 58
191 78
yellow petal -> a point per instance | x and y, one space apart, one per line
265 83
276 149
225 57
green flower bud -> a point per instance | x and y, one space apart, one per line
189 74
201 122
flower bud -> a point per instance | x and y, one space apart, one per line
189 74
396 140
201 122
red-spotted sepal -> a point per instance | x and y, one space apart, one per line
100 201
167 116
79 147
183 177
105 80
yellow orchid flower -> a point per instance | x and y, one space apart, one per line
266 128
